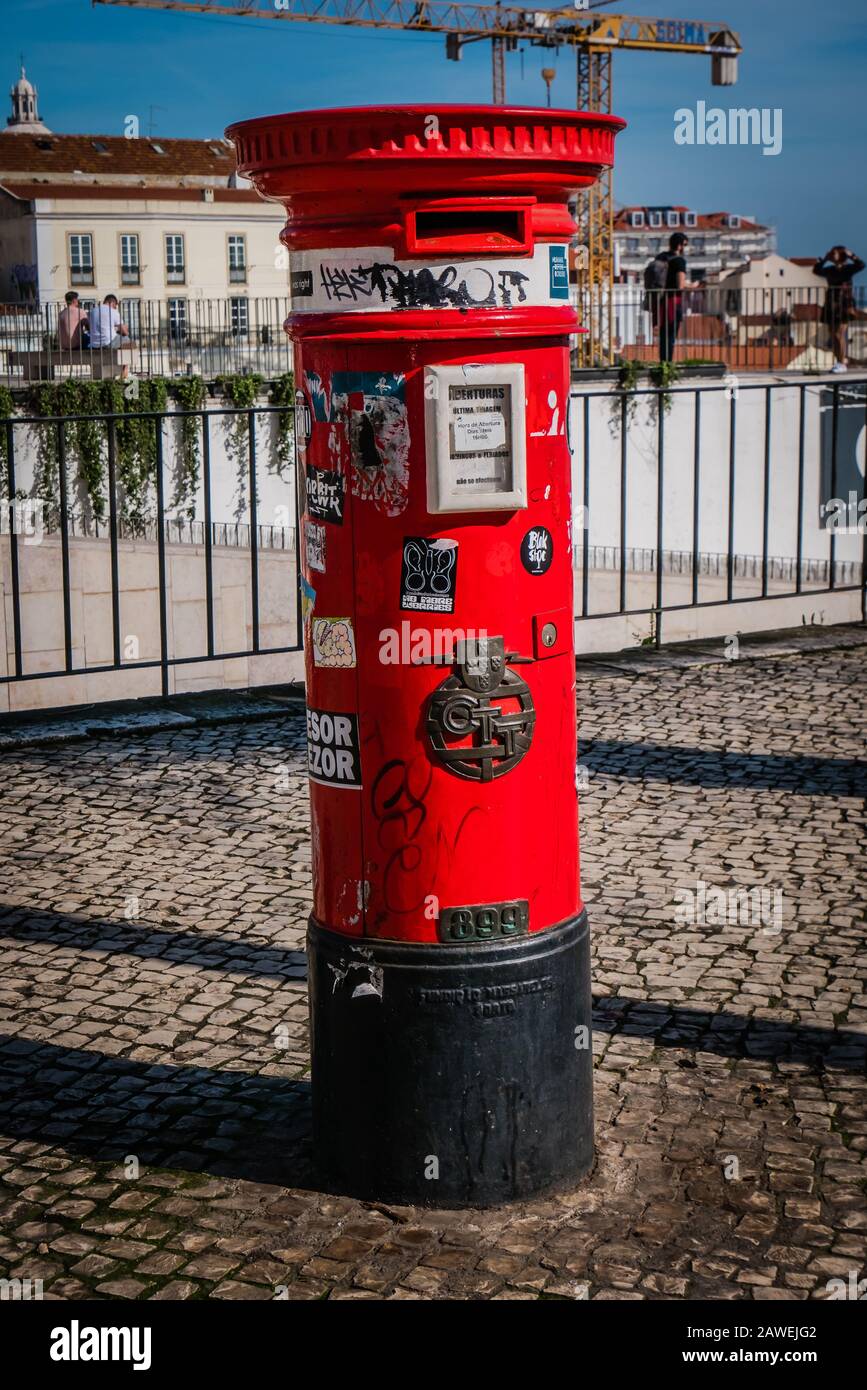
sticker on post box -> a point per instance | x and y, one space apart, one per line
428 575
333 756
537 550
325 491
314 546
333 642
558 272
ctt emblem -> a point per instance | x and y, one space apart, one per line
480 720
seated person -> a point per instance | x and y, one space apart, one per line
72 330
106 329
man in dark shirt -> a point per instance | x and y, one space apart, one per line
838 269
671 309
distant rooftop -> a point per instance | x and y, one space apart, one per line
704 221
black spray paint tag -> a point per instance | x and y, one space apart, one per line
428 575
325 494
333 757
537 550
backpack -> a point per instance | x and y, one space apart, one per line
655 279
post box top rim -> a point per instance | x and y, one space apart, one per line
345 115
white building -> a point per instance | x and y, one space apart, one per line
718 241
144 218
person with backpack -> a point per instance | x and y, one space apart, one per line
838 268
664 282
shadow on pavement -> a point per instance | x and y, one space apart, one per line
652 762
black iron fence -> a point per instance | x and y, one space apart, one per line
639 558
837 467
27 518
747 329
177 336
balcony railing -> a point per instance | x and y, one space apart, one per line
176 336
750 329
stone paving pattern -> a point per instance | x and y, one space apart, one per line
154 1099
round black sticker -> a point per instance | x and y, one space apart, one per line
537 550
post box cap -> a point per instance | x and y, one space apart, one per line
478 146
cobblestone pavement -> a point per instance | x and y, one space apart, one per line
153 1091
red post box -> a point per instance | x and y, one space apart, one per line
448 944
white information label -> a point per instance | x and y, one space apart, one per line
474 429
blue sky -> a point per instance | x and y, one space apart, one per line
193 75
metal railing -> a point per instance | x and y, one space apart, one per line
161 526
793 575
176 336
751 329
740 474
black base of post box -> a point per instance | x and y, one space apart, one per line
452 1075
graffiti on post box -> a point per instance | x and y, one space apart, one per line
333 756
372 279
325 494
480 721
333 641
428 575
443 287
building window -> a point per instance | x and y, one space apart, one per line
176 272
637 219
734 220
673 219
130 313
654 245
240 318
130 269
690 219
656 219
237 259
178 320
81 258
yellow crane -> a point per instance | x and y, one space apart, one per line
594 38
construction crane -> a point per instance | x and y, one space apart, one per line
594 38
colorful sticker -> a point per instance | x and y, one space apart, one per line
314 546
308 599
367 438
333 756
428 575
333 642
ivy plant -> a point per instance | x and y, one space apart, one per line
241 391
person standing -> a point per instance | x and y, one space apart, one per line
671 308
838 268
